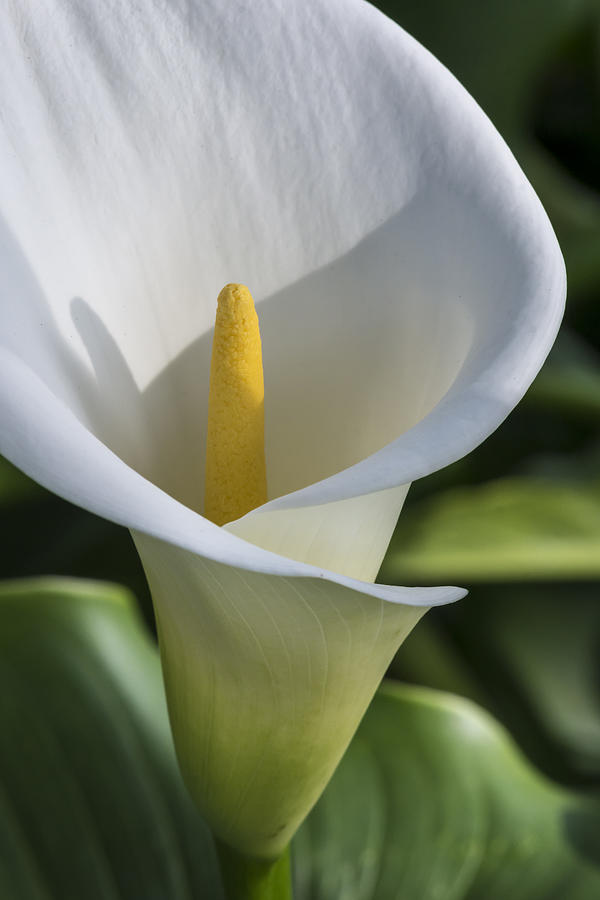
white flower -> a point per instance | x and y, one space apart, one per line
409 287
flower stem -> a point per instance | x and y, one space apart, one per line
255 879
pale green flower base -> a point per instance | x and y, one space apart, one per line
251 879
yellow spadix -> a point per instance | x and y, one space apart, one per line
235 480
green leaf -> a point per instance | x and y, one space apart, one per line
434 802
513 528
91 804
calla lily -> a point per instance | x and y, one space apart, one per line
409 287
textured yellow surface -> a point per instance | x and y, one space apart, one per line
235 446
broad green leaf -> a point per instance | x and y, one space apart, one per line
91 804
513 528
434 802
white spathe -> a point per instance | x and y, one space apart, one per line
409 287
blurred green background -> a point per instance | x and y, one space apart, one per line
518 520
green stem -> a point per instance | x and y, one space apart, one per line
255 879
